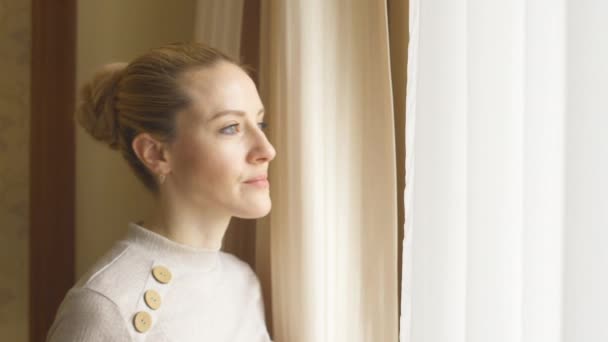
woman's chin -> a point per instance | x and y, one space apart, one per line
255 211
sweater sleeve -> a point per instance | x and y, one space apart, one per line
86 315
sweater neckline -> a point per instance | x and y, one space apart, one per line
165 250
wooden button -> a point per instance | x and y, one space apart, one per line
142 321
161 274
152 298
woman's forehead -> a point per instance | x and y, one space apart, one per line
221 87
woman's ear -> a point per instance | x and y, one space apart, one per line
152 153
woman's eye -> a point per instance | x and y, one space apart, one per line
233 129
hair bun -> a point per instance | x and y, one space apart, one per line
96 112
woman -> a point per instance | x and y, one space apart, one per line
189 121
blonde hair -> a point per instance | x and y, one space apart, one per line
123 100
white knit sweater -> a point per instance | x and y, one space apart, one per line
199 295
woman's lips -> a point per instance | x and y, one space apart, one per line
262 183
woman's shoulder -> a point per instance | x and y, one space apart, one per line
107 296
86 315
115 276
233 264
239 272
114 254
117 272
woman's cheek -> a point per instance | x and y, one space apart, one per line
189 159
211 160
222 163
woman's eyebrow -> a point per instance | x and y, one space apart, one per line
231 111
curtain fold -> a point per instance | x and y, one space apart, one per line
325 79
219 23
399 37
494 131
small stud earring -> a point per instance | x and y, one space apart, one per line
161 178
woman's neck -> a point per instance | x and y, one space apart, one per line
197 229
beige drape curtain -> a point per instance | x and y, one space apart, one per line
328 254
326 82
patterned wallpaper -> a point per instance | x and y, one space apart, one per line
15 24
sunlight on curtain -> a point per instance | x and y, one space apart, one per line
327 87
494 172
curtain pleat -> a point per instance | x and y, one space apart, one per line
398 33
219 23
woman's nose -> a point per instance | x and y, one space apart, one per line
262 150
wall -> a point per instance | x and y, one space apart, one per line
108 195
15 33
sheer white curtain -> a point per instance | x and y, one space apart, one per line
506 164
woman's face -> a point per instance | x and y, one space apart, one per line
221 145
